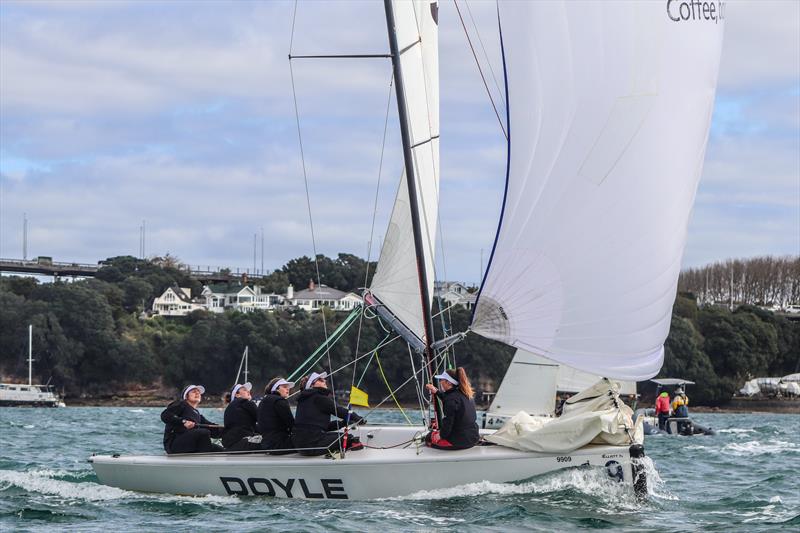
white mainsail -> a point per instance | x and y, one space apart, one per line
396 281
609 110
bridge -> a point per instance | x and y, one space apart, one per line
45 266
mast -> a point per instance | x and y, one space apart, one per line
30 354
411 182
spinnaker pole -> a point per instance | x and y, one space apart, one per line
411 180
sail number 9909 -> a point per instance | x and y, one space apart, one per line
565 459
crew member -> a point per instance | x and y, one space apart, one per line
183 432
662 409
241 417
680 404
275 419
459 429
313 429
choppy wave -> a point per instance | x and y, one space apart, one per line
43 482
736 431
754 447
593 483
67 485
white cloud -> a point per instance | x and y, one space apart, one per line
114 112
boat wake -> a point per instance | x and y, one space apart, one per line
587 483
72 486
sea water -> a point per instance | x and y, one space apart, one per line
746 478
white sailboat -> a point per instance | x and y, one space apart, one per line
608 110
29 394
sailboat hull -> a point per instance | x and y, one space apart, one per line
371 473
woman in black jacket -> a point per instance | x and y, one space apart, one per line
181 419
313 429
458 427
241 416
275 419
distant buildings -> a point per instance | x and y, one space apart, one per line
217 298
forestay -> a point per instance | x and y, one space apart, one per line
609 109
396 282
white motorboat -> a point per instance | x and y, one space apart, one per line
608 107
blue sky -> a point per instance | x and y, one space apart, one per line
181 114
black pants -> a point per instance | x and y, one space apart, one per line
662 420
282 443
193 441
321 442
242 445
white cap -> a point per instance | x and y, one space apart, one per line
314 377
190 387
281 382
445 376
248 386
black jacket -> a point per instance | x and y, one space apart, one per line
458 420
315 407
175 414
240 421
275 419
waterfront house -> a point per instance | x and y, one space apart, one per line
315 297
176 301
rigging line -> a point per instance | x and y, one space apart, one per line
480 70
417 387
360 357
389 387
310 216
291 38
374 214
485 55
334 338
403 384
508 170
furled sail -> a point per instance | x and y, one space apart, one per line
396 282
532 381
609 106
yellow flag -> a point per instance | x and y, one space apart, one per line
358 397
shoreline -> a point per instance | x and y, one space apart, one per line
758 406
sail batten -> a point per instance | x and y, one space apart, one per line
609 109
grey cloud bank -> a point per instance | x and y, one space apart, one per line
115 112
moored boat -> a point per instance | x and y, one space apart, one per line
29 394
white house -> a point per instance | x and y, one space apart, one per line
316 297
176 301
238 297
246 299
454 293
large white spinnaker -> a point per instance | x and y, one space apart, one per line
396 283
609 106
